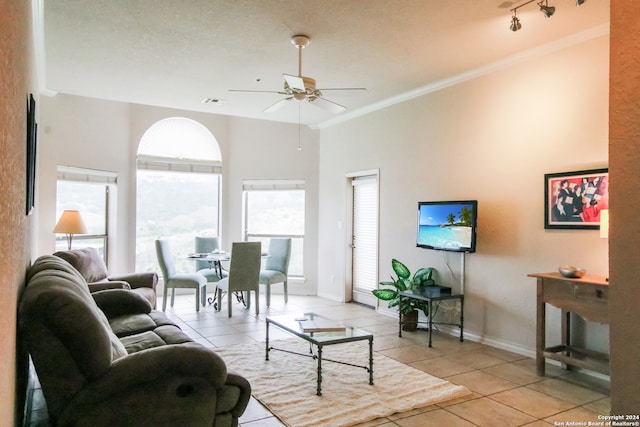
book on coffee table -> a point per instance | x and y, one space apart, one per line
319 324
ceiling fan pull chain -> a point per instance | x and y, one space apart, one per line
299 124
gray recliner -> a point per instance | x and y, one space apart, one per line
91 266
107 359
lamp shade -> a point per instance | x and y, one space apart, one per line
604 223
70 222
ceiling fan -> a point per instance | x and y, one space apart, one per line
302 88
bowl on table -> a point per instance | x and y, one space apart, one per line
571 271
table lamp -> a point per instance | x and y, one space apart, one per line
70 223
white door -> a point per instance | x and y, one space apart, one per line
365 239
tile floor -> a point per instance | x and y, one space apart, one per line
506 389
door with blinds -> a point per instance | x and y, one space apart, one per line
364 243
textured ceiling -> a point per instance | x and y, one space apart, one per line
176 53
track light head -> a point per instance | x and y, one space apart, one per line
547 10
515 23
580 2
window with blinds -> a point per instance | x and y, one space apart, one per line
365 234
88 191
276 209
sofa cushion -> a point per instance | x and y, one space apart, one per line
131 324
142 341
158 337
87 261
118 302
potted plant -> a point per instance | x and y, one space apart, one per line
404 282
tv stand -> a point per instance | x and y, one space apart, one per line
430 294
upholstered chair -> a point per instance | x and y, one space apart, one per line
211 270
276 267
173 280
244 272
91 266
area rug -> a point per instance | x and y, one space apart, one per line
286 383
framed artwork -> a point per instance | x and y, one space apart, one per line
32 131
573 200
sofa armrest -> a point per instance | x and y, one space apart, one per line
138 280
163 379
103 286
237 407
117 302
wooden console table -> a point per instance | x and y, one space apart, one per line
587 297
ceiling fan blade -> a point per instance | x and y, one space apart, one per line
278 105
325 104
258 91
343 91
355 89
294 82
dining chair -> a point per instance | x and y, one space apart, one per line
173 280
244 273
276 267
211 270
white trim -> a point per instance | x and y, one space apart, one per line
575 39
37 27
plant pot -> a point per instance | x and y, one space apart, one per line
410 321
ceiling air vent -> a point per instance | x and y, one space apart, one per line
215 101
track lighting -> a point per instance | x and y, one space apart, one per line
515 23
580 2
547 10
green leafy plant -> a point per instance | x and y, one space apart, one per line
404 282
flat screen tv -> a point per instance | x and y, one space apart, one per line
447 226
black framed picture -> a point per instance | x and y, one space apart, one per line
32 131
574 200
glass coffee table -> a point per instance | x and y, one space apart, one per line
319 331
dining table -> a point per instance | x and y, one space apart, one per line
215 259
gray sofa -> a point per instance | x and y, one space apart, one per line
107 359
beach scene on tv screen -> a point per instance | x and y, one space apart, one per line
446 226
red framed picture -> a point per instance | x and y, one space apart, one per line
574 200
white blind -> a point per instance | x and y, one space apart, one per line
270 184
70 173
170 164
365 233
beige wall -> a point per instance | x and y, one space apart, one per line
624 235
491 139
85 133
15 242
98 134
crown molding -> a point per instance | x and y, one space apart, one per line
575 39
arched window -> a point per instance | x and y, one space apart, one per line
178 189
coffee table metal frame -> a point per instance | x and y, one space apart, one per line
289 324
